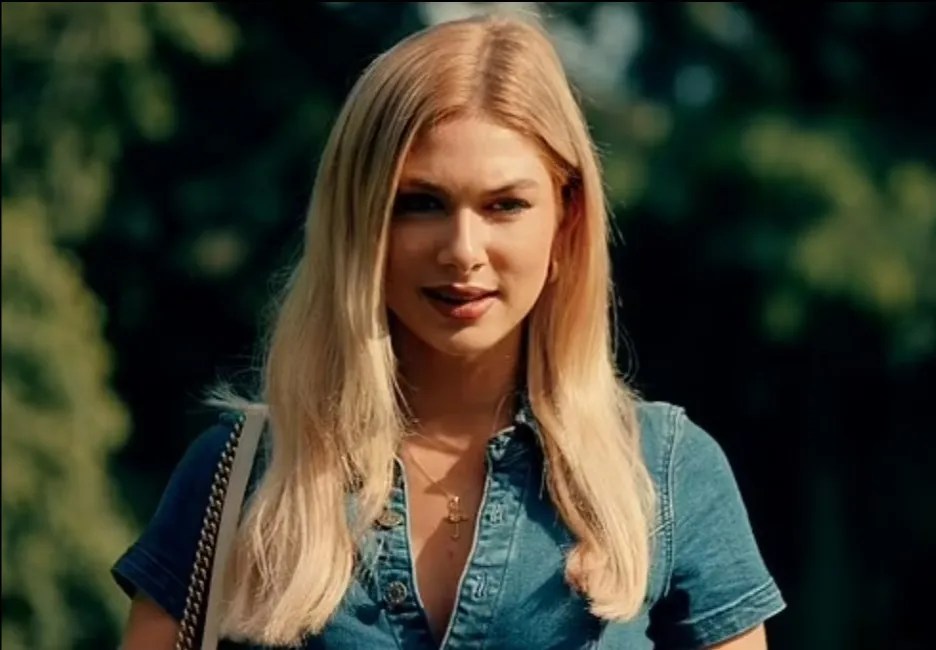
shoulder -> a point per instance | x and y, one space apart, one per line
192 476
205 450
159 561
689 468
665 432
674 446
715 581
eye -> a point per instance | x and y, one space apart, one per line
510 206
416 203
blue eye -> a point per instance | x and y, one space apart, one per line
416 203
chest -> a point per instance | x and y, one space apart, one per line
494 570
500 586
442 532
442 522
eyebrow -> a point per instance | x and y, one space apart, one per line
429 186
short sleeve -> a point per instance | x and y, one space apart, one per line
160 560
718 586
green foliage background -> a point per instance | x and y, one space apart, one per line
774 189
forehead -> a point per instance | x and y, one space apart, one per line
471 151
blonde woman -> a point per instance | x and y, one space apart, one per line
451 459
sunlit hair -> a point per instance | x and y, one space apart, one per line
330 379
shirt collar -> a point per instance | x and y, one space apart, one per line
522 436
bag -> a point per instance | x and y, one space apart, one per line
219 524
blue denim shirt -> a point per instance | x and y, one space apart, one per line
708 581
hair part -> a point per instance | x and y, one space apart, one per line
330 377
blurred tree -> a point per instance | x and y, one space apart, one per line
773 176
710 129
61 526
77 80
201 224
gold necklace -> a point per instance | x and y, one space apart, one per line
455 516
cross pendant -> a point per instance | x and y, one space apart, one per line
455 516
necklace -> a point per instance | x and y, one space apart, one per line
455 516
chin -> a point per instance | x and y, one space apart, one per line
445 337
469 342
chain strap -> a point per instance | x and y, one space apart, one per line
204 553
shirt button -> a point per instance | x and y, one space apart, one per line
389 519
396 593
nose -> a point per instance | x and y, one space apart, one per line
465 243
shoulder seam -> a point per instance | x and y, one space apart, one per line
673 423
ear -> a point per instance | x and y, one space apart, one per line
571 205
571 210
553 270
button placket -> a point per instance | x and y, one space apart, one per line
396 589
481 589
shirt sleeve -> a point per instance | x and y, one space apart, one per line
159 562
718 586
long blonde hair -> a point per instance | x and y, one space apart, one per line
329 380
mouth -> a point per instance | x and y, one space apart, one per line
458 295
463 303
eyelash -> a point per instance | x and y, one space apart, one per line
415 203
518 205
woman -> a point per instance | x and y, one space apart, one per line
452 459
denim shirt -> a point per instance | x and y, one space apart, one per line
708 581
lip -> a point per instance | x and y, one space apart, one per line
460 302
458 291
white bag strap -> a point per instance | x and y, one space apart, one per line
222 513
230 515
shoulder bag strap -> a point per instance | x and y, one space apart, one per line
217 533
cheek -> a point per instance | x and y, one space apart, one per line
523 260
405 250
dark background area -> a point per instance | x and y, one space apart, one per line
771 173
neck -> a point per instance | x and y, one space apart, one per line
452 397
